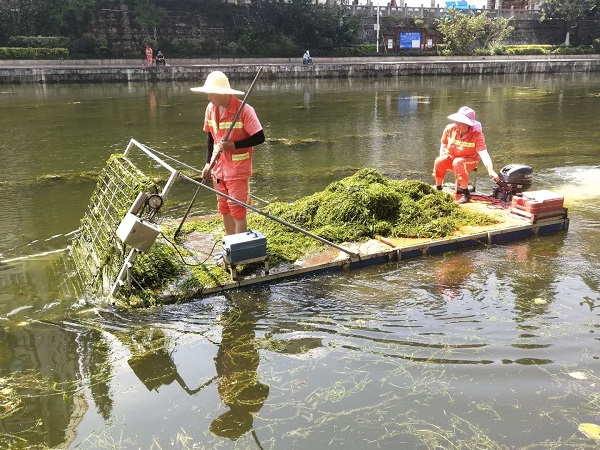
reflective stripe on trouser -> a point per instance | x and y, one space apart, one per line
460 166
236 188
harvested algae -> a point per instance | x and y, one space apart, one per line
353 209
368 204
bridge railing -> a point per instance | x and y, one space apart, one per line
439 12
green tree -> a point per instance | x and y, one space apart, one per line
25 18
148 15
571 11
463 33
295 25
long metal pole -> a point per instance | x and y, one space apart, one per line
276 219
215 155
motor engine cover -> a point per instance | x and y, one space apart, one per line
513 179
516 178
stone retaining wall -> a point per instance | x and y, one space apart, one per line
114 73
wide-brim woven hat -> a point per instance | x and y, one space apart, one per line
217 83
464 115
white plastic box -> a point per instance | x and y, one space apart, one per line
137 233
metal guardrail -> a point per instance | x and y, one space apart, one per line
439 12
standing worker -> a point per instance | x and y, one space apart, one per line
232 168
148 55
462 145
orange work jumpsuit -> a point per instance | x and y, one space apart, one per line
462 156
232 170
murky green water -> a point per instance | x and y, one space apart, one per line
485 348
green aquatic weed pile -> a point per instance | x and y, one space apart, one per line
93 249
358 208
353 209
170 272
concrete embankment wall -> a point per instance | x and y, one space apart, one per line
187 70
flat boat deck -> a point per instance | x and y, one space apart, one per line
511 227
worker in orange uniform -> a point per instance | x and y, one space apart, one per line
149 59
463 144
233 164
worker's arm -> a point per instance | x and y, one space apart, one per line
487 162
443 150
210 145
256 139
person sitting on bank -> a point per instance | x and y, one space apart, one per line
160 59
462 145
306 59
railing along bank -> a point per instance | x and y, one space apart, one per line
340 70
437 12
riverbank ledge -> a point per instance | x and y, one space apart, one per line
129 71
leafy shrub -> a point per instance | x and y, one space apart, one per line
185 48
33 53
355 50
596 45
528 49
85 46
232 48
39 41
281 46
581 50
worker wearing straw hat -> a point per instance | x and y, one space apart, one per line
232 168
462 145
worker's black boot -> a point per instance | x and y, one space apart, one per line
466 195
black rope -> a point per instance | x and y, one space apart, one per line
182 257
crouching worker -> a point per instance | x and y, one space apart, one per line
463 144
306 58
233 164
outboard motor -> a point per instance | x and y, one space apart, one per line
513 179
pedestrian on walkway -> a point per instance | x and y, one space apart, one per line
149 58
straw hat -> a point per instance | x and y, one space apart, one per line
217 83
466 115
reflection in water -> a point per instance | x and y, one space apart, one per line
152 106
237 368
153 364
451 274
400 367
532 280
40 399
94 353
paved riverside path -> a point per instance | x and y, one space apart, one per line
137 63
124 70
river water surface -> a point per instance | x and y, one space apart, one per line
493 347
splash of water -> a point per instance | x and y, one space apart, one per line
577 184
